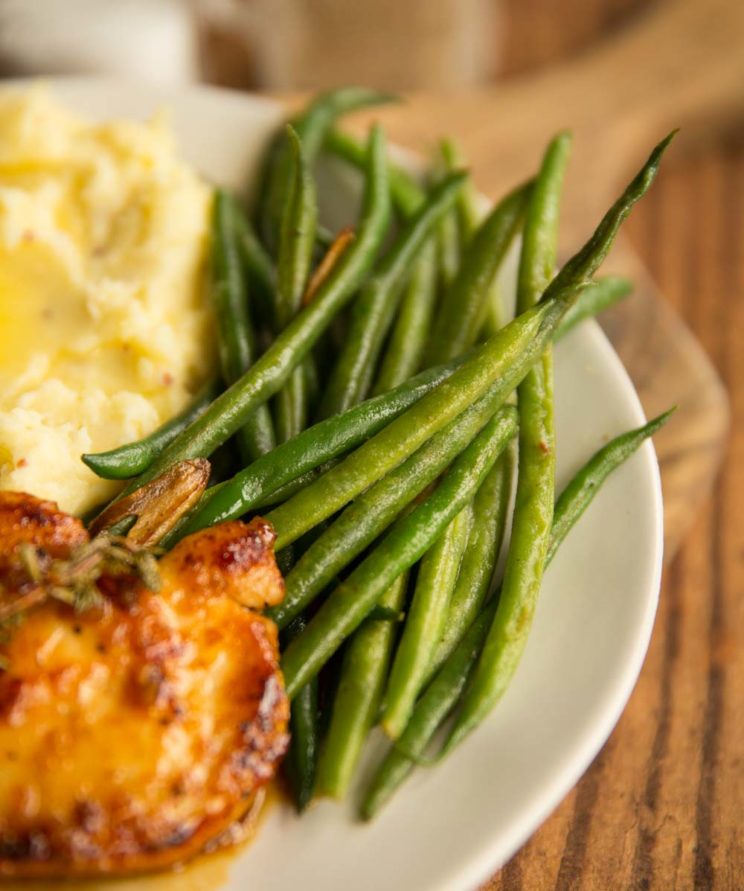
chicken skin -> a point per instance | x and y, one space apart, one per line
137 731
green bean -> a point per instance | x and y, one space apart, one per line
579 493
311 125
452 676
504 360
429 713
405 191
492 318
297 237
268 374
456 327
373 511
380 611
490 508
448 250
582 266
357 700
407 541
452 236
373 311
296 244
408 339
535 496
312 383
468 206
259 271
291 411
301 761
435 583
294 460
603 293
128 460
286 491
235 332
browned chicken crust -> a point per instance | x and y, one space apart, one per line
133 734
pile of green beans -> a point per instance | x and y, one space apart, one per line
533 509
433 433
454 673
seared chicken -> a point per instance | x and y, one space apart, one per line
137 731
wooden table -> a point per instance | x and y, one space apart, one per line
662 806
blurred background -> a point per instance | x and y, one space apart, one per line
303 44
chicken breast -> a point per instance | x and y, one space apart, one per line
134 733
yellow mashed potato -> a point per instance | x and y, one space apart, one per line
104 328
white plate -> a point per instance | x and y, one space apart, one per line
451 827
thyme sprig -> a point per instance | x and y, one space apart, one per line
75 580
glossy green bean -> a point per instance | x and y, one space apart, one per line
452 676
456 327
448 250
292 461
438 700
297 233
260 271
290 407
269 373
435 583
582 266
373 311
469 207
602 294
407 541
503 360
405 190
376 508
490 508
235 336
296 245
311 125
410 333
579 493
301 761
357 700
535 496
128 460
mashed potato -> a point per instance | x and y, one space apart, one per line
104 327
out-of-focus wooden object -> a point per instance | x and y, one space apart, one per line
389 44
680 64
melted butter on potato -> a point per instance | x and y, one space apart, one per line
105 331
